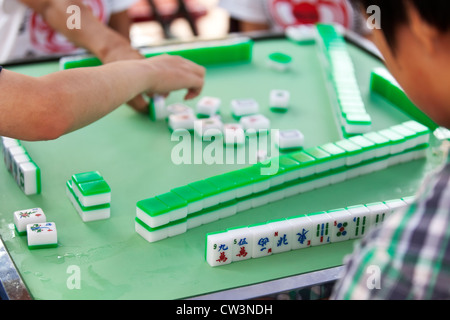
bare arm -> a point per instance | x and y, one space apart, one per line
47 107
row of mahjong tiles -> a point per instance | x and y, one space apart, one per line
19 163
221 196
293 233
343 88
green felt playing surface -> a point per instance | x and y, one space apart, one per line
136 154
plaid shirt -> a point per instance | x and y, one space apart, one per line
409 256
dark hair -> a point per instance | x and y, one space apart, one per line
393 14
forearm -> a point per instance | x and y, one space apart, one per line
62 102
47 107
93 35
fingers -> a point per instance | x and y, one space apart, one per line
173 73
192 93
139 104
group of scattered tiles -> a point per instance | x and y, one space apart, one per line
206 122
217 197
344 90
33 223
90 195
19 163
309 230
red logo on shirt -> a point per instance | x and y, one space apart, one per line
47 40
295 12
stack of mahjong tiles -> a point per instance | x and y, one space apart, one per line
299 232
33 223
90 194
25 171
343 90
280 177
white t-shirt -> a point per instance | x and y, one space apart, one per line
280 14
24 34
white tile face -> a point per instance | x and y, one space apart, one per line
360 221
219 249
179 108
409 200
208 106
289 139
263 241
321 224
28 173
242 242
395 205
302 232
378 212
341 227
11 154
207 128
256 122
282 236
182 121
16 161
244 107
42 234
160 110
28 216
279 99
233 134
261 156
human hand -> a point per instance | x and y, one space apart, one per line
171 73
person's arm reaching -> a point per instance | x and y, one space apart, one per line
50 106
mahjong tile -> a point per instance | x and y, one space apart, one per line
24 217
242 242
360 221
208 106
302 232
341 226
233 134
289 139
263 240
218 249
322 223
42 235
282 235
244 107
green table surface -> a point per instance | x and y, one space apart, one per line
134 156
